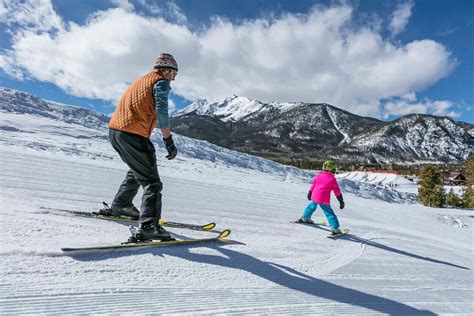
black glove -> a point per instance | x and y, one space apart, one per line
341 201
170 147
309 195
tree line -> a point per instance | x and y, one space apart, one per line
412 170
432 192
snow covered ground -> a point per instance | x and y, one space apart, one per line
400 258
389 180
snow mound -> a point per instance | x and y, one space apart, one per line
371 191
203 150
378 178
451 220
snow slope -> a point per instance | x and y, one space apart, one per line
386 180
401 258
373 181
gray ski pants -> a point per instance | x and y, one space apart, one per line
139 154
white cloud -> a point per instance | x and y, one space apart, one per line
124 4
96 60
403 106
410 96
171 105
314 57
400 18
36 15
3 11
153 8
176 13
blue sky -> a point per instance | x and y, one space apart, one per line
375 58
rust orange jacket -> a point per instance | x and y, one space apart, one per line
136 111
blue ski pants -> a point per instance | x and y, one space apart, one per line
330 215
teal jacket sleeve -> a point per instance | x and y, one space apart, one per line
161 90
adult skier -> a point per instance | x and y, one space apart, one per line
320 194
142 107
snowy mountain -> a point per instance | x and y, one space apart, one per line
25 116
424 137
400 258
14 101
319 131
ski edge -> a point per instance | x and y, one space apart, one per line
320 223
221 238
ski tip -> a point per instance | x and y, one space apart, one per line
209 226
224 234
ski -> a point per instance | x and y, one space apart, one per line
220 238
344 232
209 227
321 223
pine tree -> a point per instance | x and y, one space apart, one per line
467 197
452 199
468 192
431 191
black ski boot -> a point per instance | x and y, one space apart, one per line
129 211
148 230
335 231
303 220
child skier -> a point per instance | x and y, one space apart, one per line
320 194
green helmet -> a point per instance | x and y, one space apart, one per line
329 165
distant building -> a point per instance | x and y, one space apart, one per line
412 178
453 178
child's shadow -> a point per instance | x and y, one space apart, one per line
375 244
398 251
278 274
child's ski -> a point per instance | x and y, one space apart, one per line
321 223
207 227
220 238
344 232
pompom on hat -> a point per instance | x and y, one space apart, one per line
166 61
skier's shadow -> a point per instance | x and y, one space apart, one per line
276 273
295 280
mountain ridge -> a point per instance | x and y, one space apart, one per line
16 101
297 130
291 130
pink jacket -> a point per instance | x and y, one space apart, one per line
321 188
